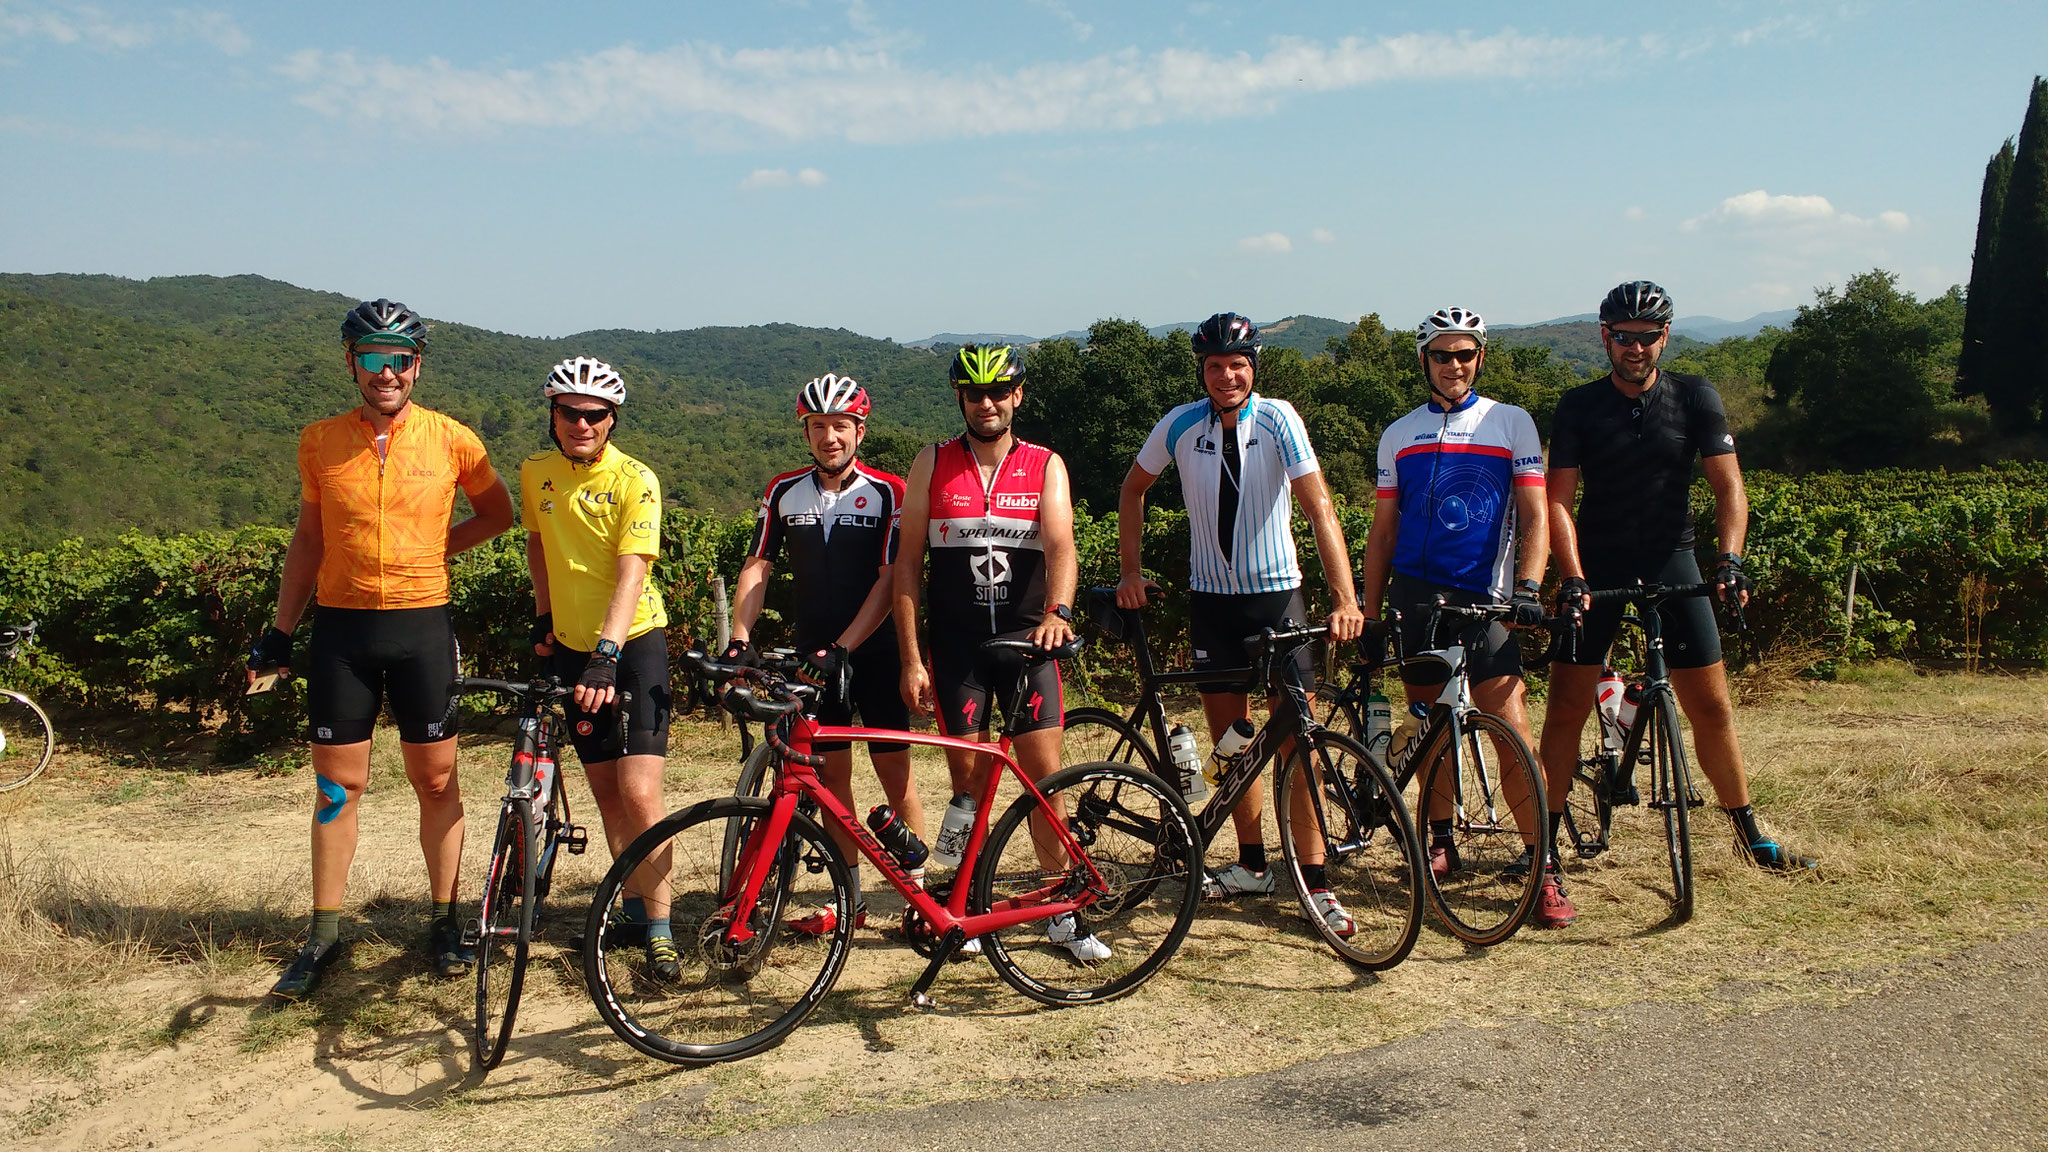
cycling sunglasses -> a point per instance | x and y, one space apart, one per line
1461 355
376 362
995 393
590 416
1631 339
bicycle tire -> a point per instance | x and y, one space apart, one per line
1588 812
756 772
27 740
505 930
1341 713
1138 833
1097 735
728 1003
1488 829
1671 792
1371 855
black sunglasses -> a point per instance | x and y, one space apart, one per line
1461 355
590 416
996 393
1630 339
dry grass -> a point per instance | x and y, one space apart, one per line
144 911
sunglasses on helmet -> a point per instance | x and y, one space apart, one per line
376 362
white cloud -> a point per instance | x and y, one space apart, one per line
810 178
1760 209
1080 29
865 92
1323 236
1267 243
87 25
1633 213
782 178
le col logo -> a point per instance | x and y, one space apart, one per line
1017 501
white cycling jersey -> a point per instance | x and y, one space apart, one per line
1243 545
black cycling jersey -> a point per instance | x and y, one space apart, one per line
1635 460
838 544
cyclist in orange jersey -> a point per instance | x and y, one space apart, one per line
376 505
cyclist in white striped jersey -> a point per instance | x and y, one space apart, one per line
1244 461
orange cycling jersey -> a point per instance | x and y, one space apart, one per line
384 514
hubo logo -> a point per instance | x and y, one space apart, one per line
597 504
991 578
1017 501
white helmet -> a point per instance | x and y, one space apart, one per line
831 395
1450 322
586 376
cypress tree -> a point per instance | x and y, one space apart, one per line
2018 367
1972 366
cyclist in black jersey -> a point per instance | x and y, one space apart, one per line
1631 437
837 522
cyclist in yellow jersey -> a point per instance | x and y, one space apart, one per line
593 529
377 498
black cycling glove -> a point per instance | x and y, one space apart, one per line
601 673
741 653
1729 575
1569 591
826 662
273 649
1528 609
543 631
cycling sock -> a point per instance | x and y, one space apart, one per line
1556 822
326 926
1316 877
854 879
1744 819
1440 831
1252 856
659 929
636 910
443 909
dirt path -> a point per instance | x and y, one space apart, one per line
1932 1055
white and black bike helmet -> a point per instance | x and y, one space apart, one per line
586 376
831 395
1450 322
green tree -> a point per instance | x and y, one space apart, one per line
1972 366
1095 405
1868 367
2018 313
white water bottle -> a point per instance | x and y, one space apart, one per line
1227 749
1187 763
1379 728
951 842
1607 702
1402 745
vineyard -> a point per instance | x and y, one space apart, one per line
1947 568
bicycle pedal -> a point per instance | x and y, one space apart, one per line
472 932
575 839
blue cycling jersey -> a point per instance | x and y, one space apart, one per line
1453 473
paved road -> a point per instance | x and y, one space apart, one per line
1947 1054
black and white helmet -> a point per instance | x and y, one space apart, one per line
586 376
831 395
1450 322
1636 300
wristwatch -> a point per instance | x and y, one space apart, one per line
606 650
1063 612
1531 586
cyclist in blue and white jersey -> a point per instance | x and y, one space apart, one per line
1244 461
1460 513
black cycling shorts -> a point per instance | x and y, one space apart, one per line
361 657
643 671
1218 624
1692 638
877 697
970 682
1490 652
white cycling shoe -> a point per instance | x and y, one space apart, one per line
1065 932
1333 913
1237 880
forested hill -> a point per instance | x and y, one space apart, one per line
175 403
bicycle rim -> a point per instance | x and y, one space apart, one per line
1137 833
1357 822
1588 818
730 1000
27 741
1096 736
757 771
505 931
1672 784
1495 807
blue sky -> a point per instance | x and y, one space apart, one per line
900 169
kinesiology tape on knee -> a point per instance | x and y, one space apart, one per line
333 798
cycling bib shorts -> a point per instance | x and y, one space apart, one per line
877 695
1692 638
643 671
969 682
361 657
1219 623
1490 652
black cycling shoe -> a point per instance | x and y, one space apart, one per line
308 966
1774 857
664 963
450 955
623 934
1520 866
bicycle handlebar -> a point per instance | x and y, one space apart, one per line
533 690
1031 652
1651 595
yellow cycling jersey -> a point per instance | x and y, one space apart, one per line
587 516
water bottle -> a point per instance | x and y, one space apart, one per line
951 842
1607 701
1379 727
896 836
1227 749
1631 699
1187 763
1402 745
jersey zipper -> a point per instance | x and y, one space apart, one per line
988 507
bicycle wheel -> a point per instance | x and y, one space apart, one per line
756 773
1340 713
1492 806
1672 794
504 930
1371 857
731 1001
1137 832
27 740
1588 817
1096 735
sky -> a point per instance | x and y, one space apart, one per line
1025 166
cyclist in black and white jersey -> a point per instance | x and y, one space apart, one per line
1631 437
837 521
